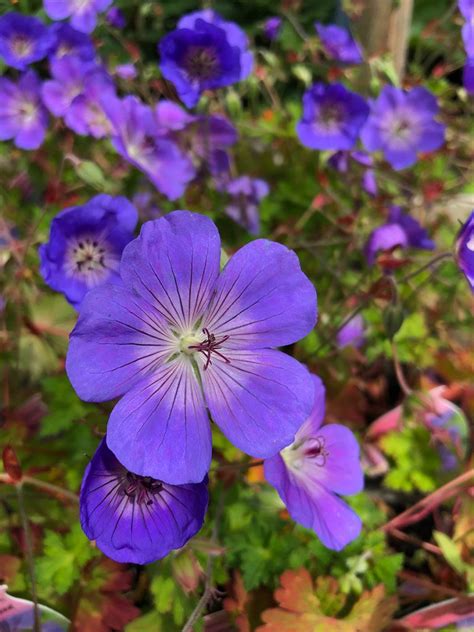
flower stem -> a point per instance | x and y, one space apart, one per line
29 556
54 490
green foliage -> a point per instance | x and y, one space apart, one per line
64 407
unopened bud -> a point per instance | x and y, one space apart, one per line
187 571
393 318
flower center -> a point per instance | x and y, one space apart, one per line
87 256
191 344
201 63
312 448
21 46
330 115
27 111
141 489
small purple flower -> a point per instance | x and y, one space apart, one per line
23 40
179 341
399 230
126 71
136 138
68 82
465 250
340 162
339 44
23 116
246 194
204 54
85 246
68 41
332 117
401 124
137 519
82 14
115 18
322 461
86 115
352 333
271 27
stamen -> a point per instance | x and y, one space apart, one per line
141 488
316 450
210 345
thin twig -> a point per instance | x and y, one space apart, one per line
407 391
43 485
29 556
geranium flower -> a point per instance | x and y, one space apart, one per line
137 519
401 124
465 250
23 116
271 27
178 339
82 14
85 245
399 230
86 115
115 18
69 41
332 117
340 162
23 40
352 333
322 461
339 44
246 194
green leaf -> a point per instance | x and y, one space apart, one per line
451 552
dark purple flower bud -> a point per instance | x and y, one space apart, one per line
339 44
465 250
322 462
402 124
85 246
271 27
23 40
82 15
137 519
332 117
115 18
23 117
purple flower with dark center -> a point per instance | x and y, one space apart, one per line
203 138
23 40
203 55
136 138
82 14
339 44
465 250
137 519
246 194
23 116
352 333
86 115
400 230
178 339
68 41
115 18
401 124
271 27
85 246
340 161
332 117
322 461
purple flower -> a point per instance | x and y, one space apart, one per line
399 230
135 137
86 115
179 339
115 18
246 194
68 82
352 333
126 71
204 53
82 13
339 44
468 76
308 474
465 250
401 124
23 40
332 117
137 519
340 162
68 41
23 116
85 245
271 27
466 8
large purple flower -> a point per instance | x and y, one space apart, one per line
135 135
246 194
339 44
134 518
332 117
178 339
308 474
82 13
204 52
23 40
68 41
23 116
401 124
400 230
465 250
85 246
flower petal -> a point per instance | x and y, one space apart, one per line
259 399
262 298
314 507
174 265
160 428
